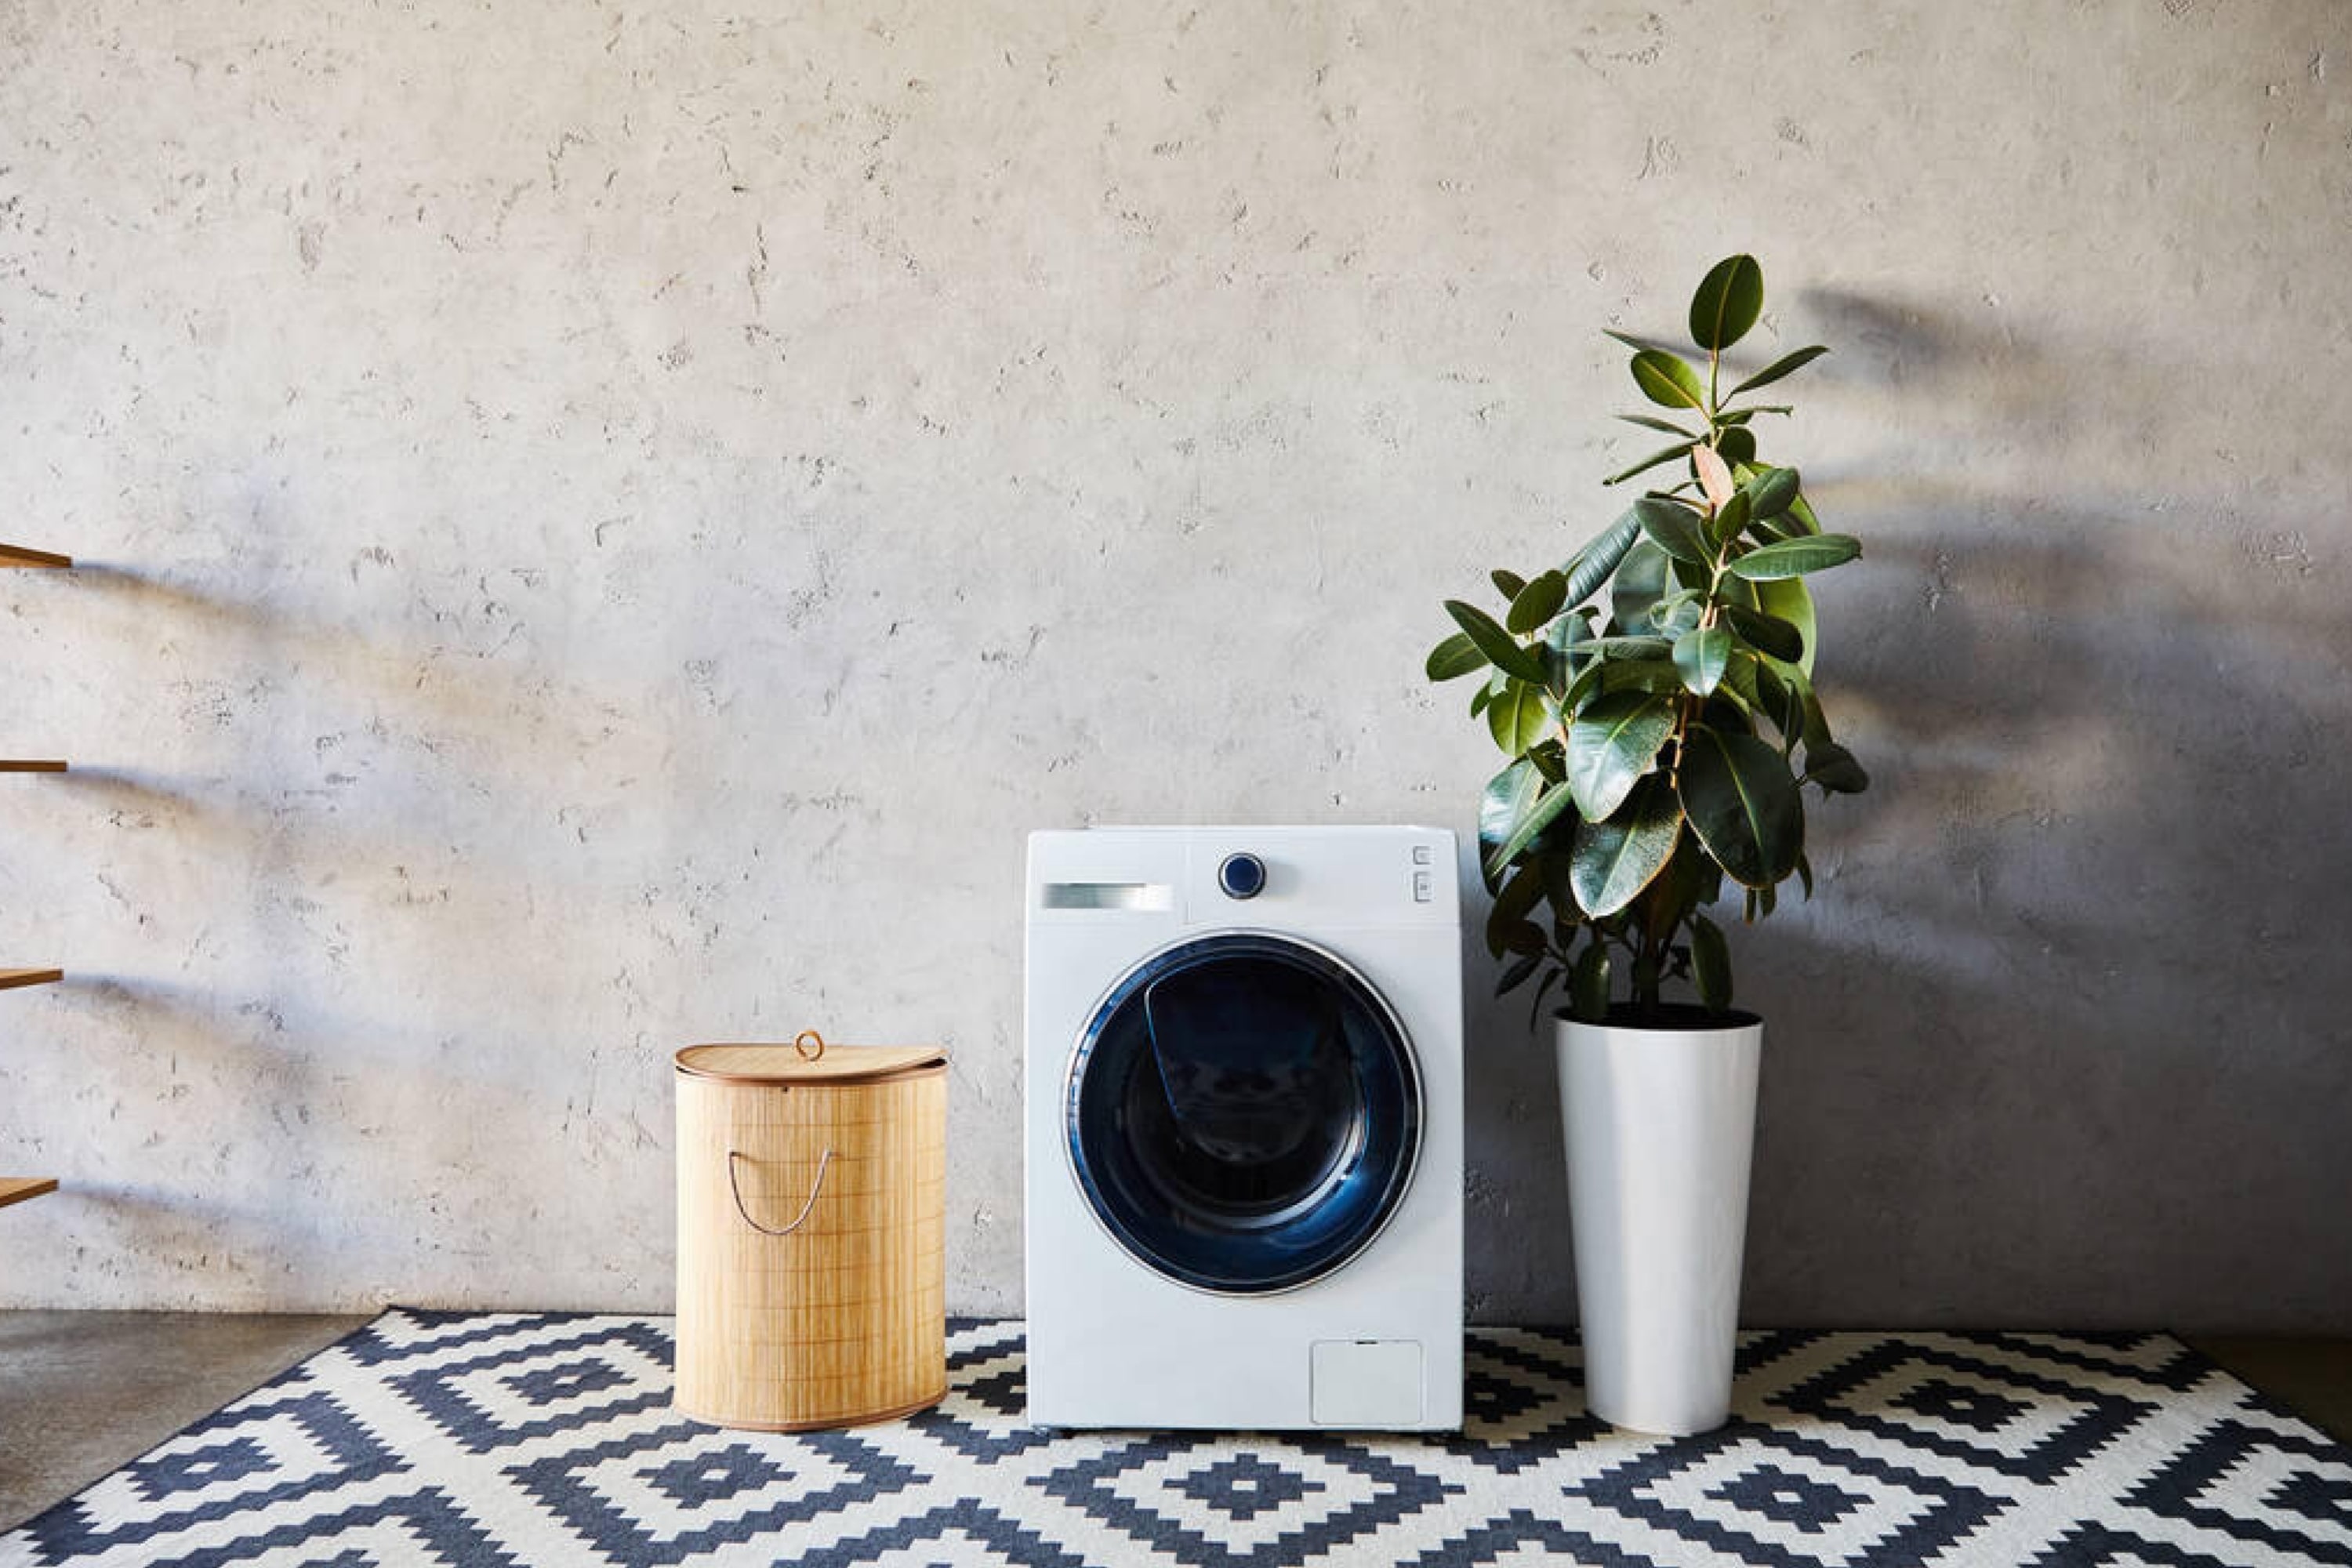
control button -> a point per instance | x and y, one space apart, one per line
1241 876
1421 854
1421 888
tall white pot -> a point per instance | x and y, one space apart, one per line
1661 1125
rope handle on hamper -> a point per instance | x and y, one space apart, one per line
816 1187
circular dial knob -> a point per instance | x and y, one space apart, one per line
1241 876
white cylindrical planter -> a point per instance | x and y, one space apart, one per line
1660 1126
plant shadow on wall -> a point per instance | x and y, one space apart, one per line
2069 1039
2082 1056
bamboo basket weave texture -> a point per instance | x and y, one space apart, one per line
812 1220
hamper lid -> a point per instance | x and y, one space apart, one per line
807 1060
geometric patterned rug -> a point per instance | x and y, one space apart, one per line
473 1439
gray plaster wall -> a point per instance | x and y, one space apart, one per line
603 527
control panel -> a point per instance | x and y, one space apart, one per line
1273 878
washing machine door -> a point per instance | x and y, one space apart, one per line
1243 1112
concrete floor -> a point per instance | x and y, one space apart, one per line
2312 1377
84 1393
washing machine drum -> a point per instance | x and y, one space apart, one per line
1243 1114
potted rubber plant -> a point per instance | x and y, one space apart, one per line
1652 696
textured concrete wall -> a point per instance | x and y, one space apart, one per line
607 525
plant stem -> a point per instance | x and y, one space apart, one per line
1643 946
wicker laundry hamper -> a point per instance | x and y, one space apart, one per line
811 1233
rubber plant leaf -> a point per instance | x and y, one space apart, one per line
1541 816
1674 527
1620 646
1668 380
1780 367
1710 964
1766 633
1769 492
1832 767
1726 524
1559 640
1714 475
1728 300
1598 561
1665 426
1642 580
1507 796
1511 906
1537 602
1612 861
1656 676
1701 655
1742 802
1610 745
1512 978
1664 455
1543 988
1518 716
1790 600
1796 557
1457 656
1588 988
1501 650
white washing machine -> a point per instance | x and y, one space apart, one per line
1244 1111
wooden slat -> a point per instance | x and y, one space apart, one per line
12 978
19 555
10 765
17 1189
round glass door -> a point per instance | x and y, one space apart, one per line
1243 1112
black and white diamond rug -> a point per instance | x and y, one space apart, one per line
542 1440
